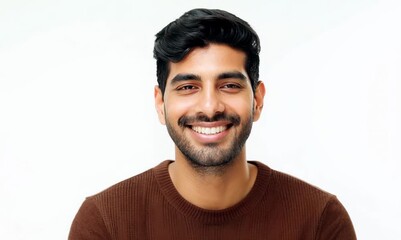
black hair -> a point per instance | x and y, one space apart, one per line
198 28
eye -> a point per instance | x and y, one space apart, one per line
231 87
187 89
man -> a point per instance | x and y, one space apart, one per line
208 96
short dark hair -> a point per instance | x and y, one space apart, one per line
199 28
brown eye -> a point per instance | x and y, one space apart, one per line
231 86
187 87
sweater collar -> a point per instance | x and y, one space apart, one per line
246 205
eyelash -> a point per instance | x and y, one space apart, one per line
186 88
231 85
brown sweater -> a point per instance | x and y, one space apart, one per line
147 206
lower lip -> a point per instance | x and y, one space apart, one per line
211 138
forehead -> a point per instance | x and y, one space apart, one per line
210 61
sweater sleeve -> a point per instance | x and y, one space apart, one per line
88 224
335 223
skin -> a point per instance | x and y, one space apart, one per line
209 81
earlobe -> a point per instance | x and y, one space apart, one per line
159 104
260 92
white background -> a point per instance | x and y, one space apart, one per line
77 113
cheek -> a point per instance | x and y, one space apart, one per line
240 106
176 108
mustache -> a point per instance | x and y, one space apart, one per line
188 120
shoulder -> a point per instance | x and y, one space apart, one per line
286 186
119 208
292 197
136 187
335 223
126 186
302 204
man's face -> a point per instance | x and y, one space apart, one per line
209 106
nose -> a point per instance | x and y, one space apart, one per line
210 102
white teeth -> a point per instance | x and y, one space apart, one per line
209 131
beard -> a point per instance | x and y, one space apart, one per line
211 158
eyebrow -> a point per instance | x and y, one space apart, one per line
225 75
233 74
184 77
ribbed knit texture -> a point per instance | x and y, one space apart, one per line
148 206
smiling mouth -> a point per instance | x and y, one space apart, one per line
209 130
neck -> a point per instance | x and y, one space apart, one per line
215 189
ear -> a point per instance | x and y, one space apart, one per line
258 100
159 104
